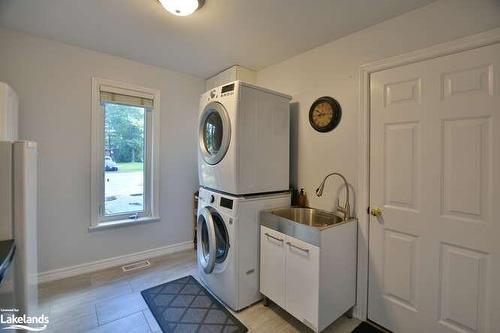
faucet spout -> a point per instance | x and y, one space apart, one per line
346 210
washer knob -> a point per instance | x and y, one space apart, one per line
212 94
211 199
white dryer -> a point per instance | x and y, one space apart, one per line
228 244
244 135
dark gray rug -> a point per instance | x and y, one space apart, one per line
183 305
365 327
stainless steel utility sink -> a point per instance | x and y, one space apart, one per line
303 223
308 216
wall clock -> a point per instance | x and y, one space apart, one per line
325 114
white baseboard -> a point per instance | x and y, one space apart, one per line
90 267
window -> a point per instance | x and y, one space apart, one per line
125 157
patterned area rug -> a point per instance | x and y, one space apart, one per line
183 305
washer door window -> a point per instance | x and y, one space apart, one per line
214 239
215 133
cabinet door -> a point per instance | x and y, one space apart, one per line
302 280
272 265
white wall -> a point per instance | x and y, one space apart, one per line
53 81
333 70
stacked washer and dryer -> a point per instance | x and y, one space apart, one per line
243 167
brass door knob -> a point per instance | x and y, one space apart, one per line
376 212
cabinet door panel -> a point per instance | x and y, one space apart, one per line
272 265
302 280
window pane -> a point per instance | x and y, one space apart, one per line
124 152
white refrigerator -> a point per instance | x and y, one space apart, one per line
18 203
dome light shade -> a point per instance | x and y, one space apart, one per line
181 7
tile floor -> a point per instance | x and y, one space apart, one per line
110 301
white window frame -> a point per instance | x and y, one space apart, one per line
152 160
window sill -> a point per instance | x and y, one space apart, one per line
122 223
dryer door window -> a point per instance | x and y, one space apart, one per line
215 133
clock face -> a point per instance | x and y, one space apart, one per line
325 114
322 114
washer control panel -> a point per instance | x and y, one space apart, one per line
226 203
216 200
207 197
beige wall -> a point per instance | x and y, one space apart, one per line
333 70
53 81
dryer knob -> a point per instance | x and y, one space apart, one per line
211 199
212 93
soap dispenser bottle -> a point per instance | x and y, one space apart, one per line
302 199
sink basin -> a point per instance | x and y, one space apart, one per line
308 216
306 224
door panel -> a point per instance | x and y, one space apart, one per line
401 169
272 265
463 199
302 280
434 161
463 273
400 259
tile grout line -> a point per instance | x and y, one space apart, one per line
97 315
126 316
147 321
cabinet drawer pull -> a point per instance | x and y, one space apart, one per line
276 238
297 247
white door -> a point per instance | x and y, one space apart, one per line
435 173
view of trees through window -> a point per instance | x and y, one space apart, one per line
124 139
124 132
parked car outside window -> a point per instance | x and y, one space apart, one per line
109 164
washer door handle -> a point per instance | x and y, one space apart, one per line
208 264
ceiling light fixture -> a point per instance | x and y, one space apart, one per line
182 7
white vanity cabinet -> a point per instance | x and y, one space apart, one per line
316 283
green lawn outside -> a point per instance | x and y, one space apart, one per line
130 167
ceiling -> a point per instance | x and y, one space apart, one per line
251 33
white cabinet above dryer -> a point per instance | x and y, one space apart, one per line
231 74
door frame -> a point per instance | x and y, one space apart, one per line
363 187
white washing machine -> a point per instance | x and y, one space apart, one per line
228 244
244 136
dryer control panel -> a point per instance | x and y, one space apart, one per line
224 91
227 90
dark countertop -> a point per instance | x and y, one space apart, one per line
7 249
